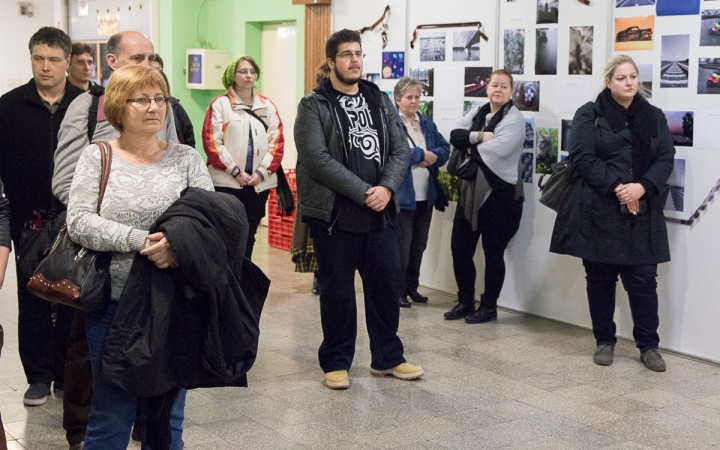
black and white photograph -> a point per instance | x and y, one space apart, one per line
476 79
526 167
547 11
529 133
581 51
565 127
466 45
645 80
546 46
710 28
526 95
708 76
515 51
675 61
425 76
680 124
432 46
627 3
546 149
676 199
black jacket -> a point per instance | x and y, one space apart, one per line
28 137
183 125
192 326
321 169
589 223
4 218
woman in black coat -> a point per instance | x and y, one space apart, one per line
612 217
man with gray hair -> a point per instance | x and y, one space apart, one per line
30 117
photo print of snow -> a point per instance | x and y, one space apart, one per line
675 61
581 51
432 45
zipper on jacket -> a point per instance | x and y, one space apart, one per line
342 136
383 113
333 224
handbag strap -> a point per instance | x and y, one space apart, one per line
105 163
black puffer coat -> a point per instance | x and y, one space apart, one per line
195 326
589 223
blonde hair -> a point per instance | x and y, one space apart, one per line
121 85
613 64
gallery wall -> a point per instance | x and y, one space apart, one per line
563 56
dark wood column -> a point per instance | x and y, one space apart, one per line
317 31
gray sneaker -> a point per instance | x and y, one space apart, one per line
652 360
603 355
78 446
36 394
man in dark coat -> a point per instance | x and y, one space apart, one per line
30 117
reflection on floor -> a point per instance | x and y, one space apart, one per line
520 383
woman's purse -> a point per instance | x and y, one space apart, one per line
462 164
553 190
71 274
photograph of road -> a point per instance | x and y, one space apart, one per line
626 3
476 79
680 124
710 28
432 45
678 7
526 95
515 51
634 33
466 45
546 45
645 87
708 76
674 60
425 76
676 200
547 11
581 49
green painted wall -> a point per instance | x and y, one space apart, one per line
234 25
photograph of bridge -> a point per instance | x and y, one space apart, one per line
710 28
466 45
708 76
674 61
645 87
626 3
634 33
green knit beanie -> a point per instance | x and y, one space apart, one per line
228 78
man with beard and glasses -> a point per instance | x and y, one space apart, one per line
352 158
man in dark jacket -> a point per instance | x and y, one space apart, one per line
30 117
4 256
352 157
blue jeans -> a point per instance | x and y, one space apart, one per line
113 410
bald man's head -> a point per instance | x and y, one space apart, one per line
129 47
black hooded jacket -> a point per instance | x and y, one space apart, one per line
197 325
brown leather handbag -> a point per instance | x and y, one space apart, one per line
71 274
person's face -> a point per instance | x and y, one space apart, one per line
409 103
624 83
245 76
499 90
348 64
81 67
134 49
144 119
49 65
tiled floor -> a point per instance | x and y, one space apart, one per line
520 383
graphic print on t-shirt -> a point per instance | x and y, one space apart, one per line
362 133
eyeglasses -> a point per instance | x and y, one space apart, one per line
349 55
145 101
246 72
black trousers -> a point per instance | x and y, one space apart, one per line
254 209
498 221
414 230
376 256
42 343
641 286
78 382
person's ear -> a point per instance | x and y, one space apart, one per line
112 61
330 63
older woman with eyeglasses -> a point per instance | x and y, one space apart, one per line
147 175
243 139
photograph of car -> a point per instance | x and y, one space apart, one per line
634 33
710 28
708 76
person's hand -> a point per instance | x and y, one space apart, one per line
633 206
423 164
254 180
242 179
488 135
430 158
627 193
377 197
158 250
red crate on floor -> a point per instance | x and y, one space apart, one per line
280 226
279 241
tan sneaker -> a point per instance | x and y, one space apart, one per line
404 371
337 379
